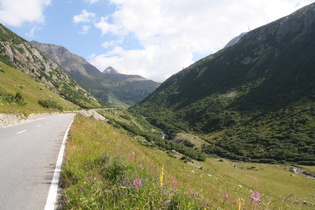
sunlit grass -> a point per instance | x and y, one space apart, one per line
13 81
105 168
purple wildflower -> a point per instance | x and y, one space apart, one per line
137 183
141 166
205 204
123 182
226 195
255 197
194 194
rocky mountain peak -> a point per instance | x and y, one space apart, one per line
110 70
70 62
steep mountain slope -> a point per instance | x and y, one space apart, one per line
110 87
21 94
22 55
252 101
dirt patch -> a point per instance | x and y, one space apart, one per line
93 113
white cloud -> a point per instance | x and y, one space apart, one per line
104 26
32 32
16 12
92 1
152 62
85 29
171 32
108 44
84 17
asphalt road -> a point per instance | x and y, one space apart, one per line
28 156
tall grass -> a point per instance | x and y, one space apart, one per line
107 169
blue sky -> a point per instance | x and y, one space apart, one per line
151 38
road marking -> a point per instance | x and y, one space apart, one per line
47 122
52 195
21 132
38 125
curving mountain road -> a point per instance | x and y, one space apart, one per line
28 157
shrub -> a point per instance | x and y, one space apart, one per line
50 104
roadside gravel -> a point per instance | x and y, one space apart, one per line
12 119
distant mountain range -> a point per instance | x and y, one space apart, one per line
254 100
22 55
110 86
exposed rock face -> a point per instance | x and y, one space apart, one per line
110 86
27 58
12 119
22 55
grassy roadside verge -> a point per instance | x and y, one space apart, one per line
107 169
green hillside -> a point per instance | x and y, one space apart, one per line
22 55
20 93
253 101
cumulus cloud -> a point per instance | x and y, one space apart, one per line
152 62
84 17
171 32
108 44
16 12
85 29
104 26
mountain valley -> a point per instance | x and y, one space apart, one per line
235 130
110 86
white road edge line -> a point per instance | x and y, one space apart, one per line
21 132
52 195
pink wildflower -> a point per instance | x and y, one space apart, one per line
226 195
255 197
141 166
137 183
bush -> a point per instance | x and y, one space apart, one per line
50 104
11 99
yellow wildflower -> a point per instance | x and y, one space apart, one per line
239 204
162 176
